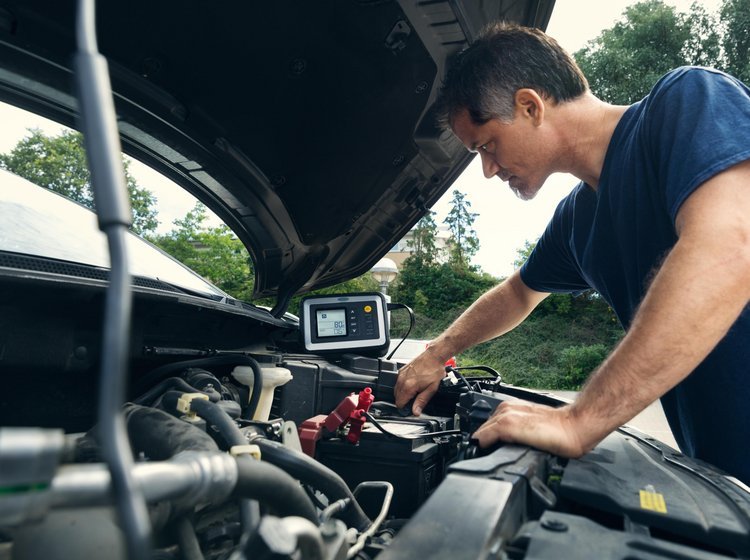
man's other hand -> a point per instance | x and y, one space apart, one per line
536 425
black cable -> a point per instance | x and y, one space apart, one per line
487 369
460 376
392 306
377 424
309 471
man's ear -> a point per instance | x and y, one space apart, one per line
530 105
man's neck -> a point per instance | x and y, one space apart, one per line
585 126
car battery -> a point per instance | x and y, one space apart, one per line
411 459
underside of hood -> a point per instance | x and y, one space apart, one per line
305 125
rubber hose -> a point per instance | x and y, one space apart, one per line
155 375
252 406
309 471
175 383
161 436
187 540
270 485
258 481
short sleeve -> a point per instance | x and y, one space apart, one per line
552 266
699 126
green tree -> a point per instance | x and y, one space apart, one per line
624 62
58 163
423 243
464 242
215 252
439 290
523 253
735 18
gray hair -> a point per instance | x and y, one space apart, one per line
484 78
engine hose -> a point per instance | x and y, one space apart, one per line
270 485
176 383
155 375
162 436
187 540
252 406
309 471
300 466
257 480
211 413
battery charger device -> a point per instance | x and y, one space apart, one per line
345 323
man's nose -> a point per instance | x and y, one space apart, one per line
489 165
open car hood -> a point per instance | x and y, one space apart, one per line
306 126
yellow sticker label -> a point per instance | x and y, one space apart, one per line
653 501
368 308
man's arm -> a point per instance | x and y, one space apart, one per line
700 290
496 312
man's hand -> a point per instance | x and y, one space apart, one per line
419 378
549 429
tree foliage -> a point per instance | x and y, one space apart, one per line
58 163
522 254
423 243
735 19
213 252
624 62
464 242
439 290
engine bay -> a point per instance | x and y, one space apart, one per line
319 463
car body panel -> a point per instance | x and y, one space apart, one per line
310 136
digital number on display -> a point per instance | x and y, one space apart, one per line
331 322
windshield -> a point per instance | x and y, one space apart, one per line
39 222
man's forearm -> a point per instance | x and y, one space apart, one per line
496 312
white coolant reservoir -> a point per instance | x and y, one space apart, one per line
273 377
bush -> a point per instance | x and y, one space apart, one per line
577 362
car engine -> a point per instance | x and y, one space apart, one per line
319 463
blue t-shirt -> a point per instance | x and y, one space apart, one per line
694 124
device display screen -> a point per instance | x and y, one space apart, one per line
331 322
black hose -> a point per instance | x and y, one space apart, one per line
190 549
252 406
309 471
211 413
162 436
177 383
270 485
155 375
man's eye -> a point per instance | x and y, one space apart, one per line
484 147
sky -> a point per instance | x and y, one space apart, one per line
503 223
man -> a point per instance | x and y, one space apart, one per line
659 226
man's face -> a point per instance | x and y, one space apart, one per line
511 151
